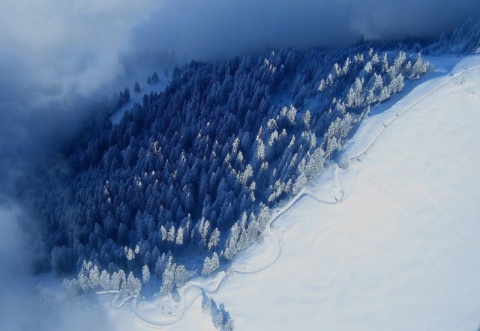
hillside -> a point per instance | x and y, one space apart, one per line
186 179
187 188
389 243
240 165
400 248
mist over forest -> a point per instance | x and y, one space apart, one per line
62 60
58 59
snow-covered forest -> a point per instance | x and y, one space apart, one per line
187 177
162 192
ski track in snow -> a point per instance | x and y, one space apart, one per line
213 284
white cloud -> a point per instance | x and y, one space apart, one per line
54 48
64 46
218 28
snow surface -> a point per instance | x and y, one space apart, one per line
391 243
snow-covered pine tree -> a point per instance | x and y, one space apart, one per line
145 274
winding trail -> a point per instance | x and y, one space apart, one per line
213 284
194 288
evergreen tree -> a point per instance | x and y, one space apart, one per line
126 95
136 87
155 79
145 274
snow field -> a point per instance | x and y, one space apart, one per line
401 251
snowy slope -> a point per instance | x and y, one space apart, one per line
401 250
391 243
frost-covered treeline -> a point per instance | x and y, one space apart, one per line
220 316
465 39
186 179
